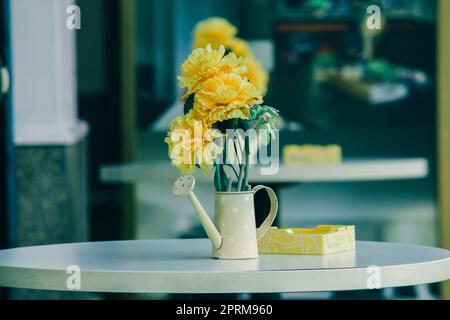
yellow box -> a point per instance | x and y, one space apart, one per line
321 240
312 154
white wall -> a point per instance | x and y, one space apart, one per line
44 74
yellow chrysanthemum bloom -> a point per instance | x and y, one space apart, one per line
205 63
256 74
227 96
191 143
216 31
239 47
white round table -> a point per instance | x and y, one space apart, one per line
185 266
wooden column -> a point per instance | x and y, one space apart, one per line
444 127
127 36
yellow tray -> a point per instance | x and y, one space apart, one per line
318 241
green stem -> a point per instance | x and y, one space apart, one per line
234 170
237 144
236 152
241 165
241 178
225 156
230 182
217 182
240 146
247 166
223 178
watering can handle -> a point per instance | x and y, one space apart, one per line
267 224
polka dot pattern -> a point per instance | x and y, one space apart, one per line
235 218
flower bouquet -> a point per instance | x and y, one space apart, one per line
223 118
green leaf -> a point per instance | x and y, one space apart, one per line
189 103
227 51
256 111
265 118
222 126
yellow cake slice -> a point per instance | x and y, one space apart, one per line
312 154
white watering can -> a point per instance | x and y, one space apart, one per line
234 234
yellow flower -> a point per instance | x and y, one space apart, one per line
256 74
240 47
191 143
216 31
226 97
205 63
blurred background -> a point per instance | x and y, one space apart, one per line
83 122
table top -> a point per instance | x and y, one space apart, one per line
186 266
349 170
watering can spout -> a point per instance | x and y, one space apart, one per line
184 186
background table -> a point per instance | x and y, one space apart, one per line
349 170
185 266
